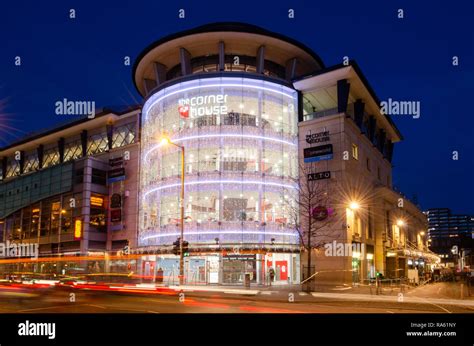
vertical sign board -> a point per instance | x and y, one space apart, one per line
116 215
116 208
319 153
77 229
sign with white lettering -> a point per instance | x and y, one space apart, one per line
319 176
319 153
198 106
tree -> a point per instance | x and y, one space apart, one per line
315 196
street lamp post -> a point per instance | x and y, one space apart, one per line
164 141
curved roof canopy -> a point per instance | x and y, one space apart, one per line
238 38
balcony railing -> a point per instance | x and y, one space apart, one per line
320 114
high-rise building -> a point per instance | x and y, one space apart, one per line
451 236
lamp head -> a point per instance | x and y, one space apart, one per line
354 205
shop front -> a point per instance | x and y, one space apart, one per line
223 269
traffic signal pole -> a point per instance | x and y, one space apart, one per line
181 254
165 140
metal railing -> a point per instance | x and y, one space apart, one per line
320 114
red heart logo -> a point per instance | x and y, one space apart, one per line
184 111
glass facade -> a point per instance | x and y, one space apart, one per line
241 164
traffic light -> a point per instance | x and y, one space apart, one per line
185 248
176 246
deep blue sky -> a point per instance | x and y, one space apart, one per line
407 59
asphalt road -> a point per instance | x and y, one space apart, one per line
99 302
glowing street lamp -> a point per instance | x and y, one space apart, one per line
354 205
400 223
165 141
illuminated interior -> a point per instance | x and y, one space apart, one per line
240 140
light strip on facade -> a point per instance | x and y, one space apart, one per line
250 182
219 232
243 86
230 135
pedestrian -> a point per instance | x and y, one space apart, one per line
378 282
271 273
159 275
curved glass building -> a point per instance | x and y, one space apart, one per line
223 93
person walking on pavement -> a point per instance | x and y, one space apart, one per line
271 274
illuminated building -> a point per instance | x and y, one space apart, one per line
224 93
251 108
72 189
451 236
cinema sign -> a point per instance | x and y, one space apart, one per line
319 153
198 106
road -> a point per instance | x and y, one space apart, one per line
205 302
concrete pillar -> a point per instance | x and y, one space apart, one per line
85 207
160 72
290 69
343 87
185 60
260 59
221 56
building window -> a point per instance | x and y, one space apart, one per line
31 163
79 176
97 144
368 164
124 135
98 214
72 151
51 157
99 177
13 168
370 229
355 151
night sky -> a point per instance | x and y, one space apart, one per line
406 59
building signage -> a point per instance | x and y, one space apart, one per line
320 213
319 137
77 229
116 201
233 257
319 153
198 106
116 215
118 161
319 176
97 201
116 174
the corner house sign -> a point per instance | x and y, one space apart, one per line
319 153
319 137
199 106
